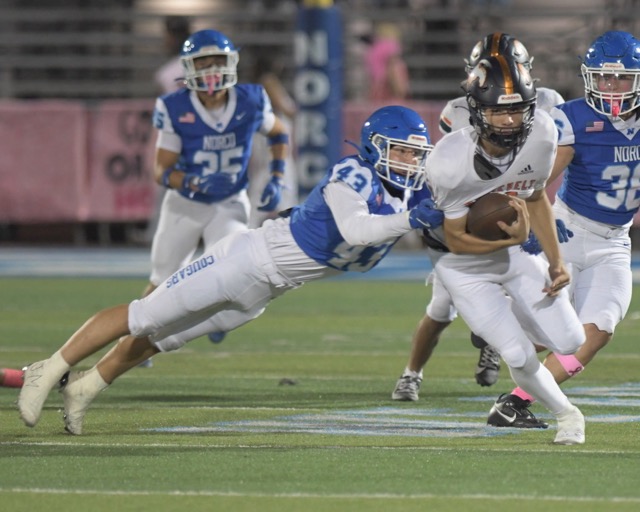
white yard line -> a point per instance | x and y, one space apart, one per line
372 497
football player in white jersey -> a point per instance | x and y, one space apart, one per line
440 312
599 142
455 115
205 134
350 221
510 298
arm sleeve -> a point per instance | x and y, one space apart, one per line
356 224
169 141
566 137
167 137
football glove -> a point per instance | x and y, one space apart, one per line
564 233
425 215
271 195
218 185
532 245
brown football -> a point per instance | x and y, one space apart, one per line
486 212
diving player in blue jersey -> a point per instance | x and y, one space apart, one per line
365 203
599 145
205 133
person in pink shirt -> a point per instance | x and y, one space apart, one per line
386 69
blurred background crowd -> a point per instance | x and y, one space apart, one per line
76 62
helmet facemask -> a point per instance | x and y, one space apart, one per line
610 90
501 86
221 74
505 137
401 173
610 72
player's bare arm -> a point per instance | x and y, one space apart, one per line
563 158
278 133
543 226
166 159
459 241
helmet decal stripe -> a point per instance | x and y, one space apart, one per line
496 37
506 72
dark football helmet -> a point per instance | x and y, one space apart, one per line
216 77
611 73
499 43
498 83
401 127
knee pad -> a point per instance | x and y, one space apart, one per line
514 356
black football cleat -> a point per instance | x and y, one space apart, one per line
513 411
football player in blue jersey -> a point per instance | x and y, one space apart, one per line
205 134
350 221
599 145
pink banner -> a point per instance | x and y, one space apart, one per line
43 163
121 152
63 161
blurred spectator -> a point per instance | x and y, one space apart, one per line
176 31
386 68
267 72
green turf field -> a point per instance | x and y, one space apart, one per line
212 428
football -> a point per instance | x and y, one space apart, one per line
486 212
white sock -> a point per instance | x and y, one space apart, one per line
411 373
541 385
57 366
93 382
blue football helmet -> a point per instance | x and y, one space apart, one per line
611 73
403 130
501 83
498 43
219 75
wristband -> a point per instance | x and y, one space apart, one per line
280 138
165 177
276 166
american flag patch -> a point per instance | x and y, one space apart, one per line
596 126
188 117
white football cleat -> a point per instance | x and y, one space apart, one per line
570 427
407 387
39 379
77 394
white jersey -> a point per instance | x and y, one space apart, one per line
518 179
499 295
455 114
455 184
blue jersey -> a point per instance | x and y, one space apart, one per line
602 182
314 227
215 144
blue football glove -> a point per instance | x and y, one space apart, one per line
425 215
563 232
271 195
218 185
532 245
